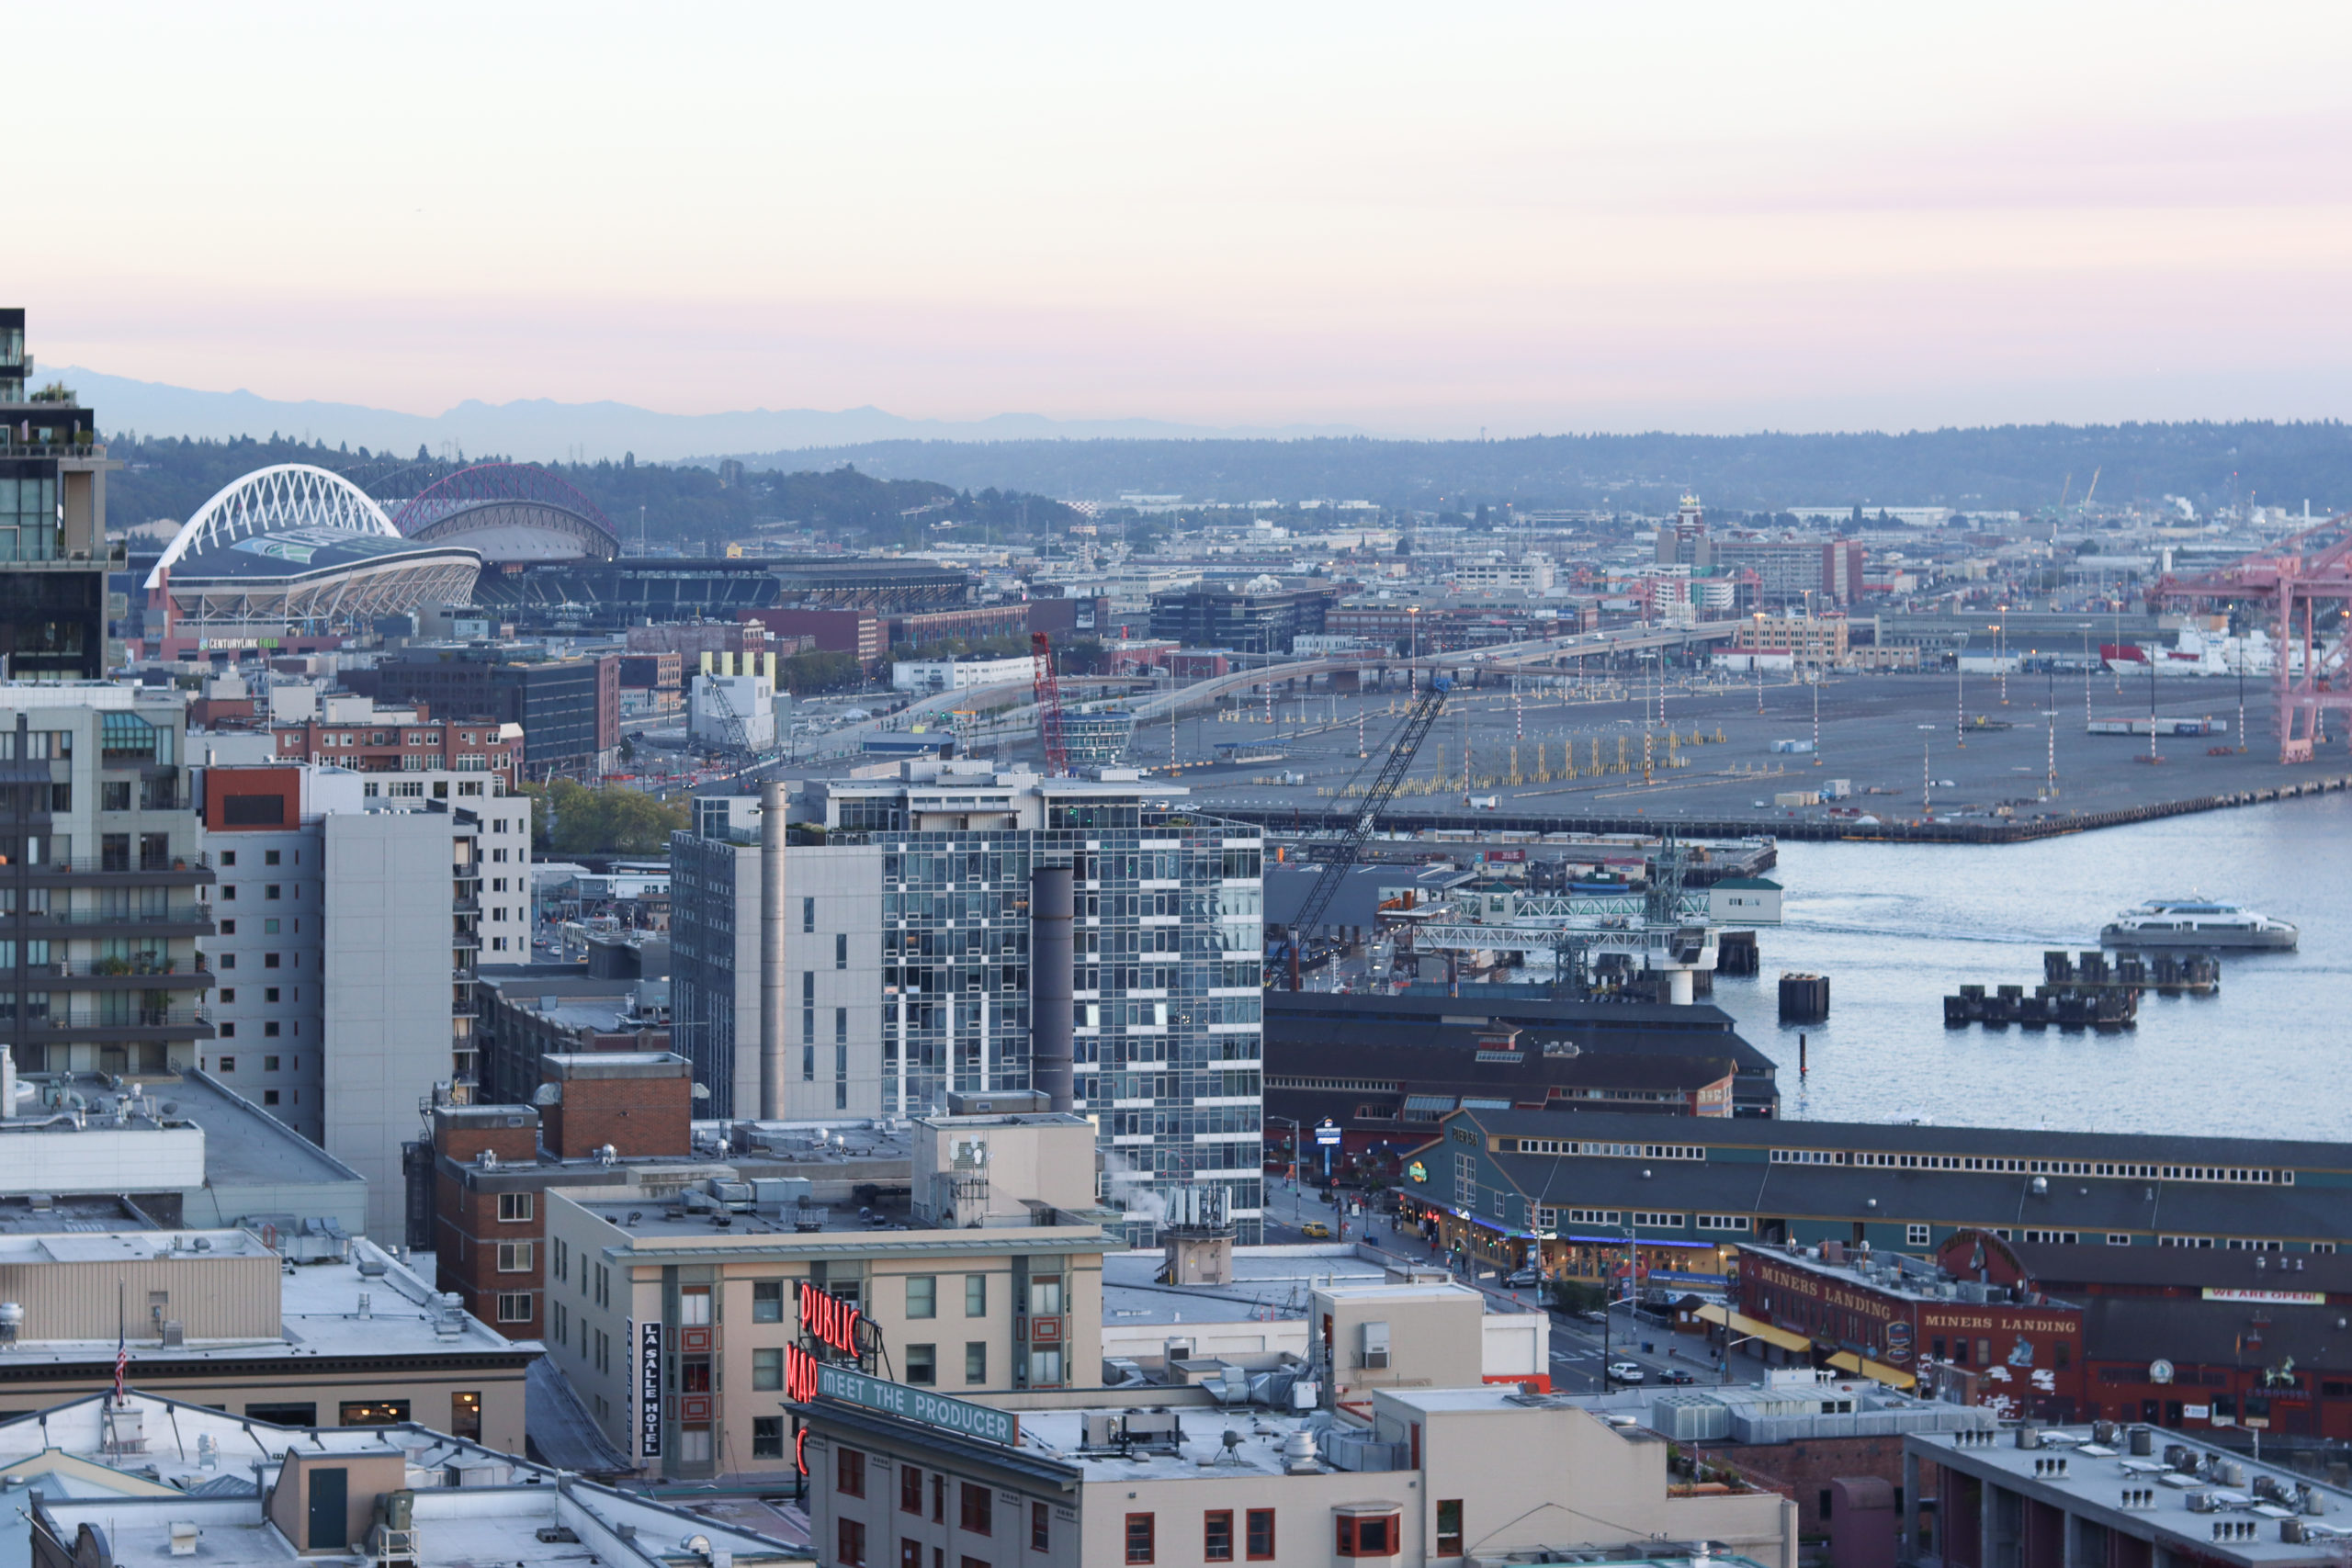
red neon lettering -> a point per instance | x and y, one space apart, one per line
799 1374
800 1450
828 1319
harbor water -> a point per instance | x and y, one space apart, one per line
1897 928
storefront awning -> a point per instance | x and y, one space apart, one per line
1877 1371
1743 1326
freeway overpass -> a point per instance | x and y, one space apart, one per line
1541 656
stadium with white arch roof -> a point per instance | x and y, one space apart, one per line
296 549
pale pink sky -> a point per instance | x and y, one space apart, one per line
1522 217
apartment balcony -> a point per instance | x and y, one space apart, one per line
194 920
126 871
117 974
115 557
108 1027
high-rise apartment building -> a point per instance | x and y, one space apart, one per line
345 954
53 547
100 894
905 966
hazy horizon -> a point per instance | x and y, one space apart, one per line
1518 220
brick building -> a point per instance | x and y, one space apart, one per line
1897 1319
358 735
2203 1339
975 623
530 1012
854 632
491 1165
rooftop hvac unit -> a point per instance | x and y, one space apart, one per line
1375 1346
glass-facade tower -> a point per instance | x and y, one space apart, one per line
1169 924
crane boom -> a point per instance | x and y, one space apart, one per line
1343 837
1048 693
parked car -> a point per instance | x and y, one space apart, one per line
1522 1278
1316 1230
1626 1371
1593 1315
1676 1375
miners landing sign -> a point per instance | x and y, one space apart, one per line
2025 1354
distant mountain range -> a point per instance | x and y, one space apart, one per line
2212 464
541 430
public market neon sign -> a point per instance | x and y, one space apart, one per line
831 1321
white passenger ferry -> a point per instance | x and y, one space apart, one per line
2196 922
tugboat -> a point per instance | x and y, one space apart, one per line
2197 922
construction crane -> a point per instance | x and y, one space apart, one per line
1340 839
1048 693
2309 572
740 751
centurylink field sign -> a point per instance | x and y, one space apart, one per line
852 1387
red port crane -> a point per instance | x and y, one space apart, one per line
1048 692
2294 581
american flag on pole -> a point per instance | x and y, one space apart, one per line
121 1362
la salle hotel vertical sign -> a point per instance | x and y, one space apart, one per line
649 1390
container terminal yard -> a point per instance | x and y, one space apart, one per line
1912 756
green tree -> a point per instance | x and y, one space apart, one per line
569 818
820 671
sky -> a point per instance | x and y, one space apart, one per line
1409 220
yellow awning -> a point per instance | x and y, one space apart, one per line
1877 1371
1740 1325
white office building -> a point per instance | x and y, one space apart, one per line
956 674
331 887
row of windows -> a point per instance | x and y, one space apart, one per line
1606 1151
2023 1166
392 737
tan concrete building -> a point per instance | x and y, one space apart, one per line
1468 1475
217 1317
1807 640
672 1319
1365 1337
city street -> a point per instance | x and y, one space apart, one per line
1577 1345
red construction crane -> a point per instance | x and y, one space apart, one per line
2291 581
1049 704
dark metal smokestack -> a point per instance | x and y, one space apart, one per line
1050 987
771 982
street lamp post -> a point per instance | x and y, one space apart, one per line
1609 1303
1295 1134
2001 653
1756 658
